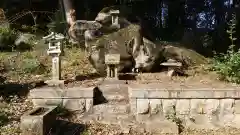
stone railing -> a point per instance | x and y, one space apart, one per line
74 99
193 108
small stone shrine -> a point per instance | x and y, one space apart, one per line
115 19
112 61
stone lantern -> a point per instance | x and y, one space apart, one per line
55 50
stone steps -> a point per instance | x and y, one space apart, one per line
116 111
115 93
106 118
116 98
112 108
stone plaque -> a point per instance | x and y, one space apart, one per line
112 59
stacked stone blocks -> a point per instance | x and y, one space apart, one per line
74 99
198 108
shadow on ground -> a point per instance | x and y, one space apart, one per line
127 77
87 77
7 89
98 97
63 127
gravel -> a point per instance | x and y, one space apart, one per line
14 109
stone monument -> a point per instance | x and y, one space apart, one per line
115 19
55 50
112 61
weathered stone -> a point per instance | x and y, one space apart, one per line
155 91
232 94
226 115
75 104
79 92
168 106
158 94
155 106
43 102
137 93
112 109
219 94
212 110
162 127
142 106
71 98
237 106
183 106
46 92
198 119
198 106
199 114
89 105
38 121
55 83
133 104
196 93
111 83
201 121
236 121
141 118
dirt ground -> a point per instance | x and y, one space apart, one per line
76 70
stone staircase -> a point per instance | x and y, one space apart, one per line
112 105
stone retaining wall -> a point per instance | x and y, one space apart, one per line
74 99
194 108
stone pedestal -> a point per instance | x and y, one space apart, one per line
76 99
56 66
56 71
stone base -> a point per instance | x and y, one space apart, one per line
77 99
162 127
55 83
194 108
110 81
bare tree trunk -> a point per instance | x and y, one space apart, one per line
70 16
69 11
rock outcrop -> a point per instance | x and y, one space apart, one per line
146 58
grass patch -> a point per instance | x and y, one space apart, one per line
25 66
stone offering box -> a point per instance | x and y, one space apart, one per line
76 99
38 121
